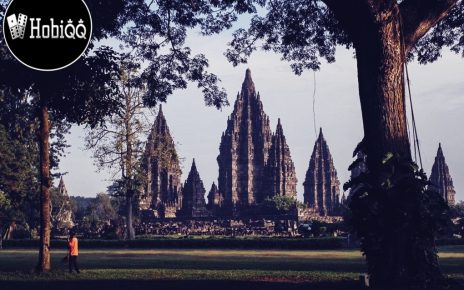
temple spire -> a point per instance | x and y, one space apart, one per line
440 150
193 202
248 87
321 186
163 178
244 150
440 178
280 171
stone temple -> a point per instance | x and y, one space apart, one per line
193 196
280 177
62 218
163 190
440 178
321 186
244 149
253 163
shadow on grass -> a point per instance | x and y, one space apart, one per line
189 285
175 285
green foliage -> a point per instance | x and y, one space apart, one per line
305 32
280 204
457 210
17 181
101 209
80 206
397 219
62 210
5 204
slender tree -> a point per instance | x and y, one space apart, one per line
117 143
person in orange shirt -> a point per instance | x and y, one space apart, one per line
73 252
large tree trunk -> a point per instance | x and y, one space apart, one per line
394 257
390 218
45 183
380 64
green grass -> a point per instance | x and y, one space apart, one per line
337 268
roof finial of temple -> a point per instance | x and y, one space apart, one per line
61 185
248 87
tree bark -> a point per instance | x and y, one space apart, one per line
380 54
45 183
380 63
129 172
1 237
129 220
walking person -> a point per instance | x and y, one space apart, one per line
73 252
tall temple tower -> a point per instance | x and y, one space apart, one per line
441 179
193 202
162 168
280 171
63 214
244 150
321 186
215 200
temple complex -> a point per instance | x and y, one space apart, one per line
254 164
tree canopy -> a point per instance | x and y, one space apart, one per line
304 32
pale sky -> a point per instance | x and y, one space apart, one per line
438 96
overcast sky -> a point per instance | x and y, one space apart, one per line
438 96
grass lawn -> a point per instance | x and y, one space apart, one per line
201 269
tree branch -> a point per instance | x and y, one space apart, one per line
419 16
